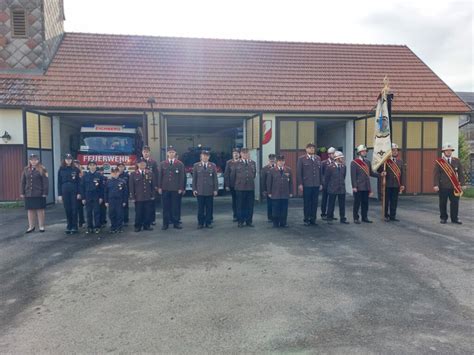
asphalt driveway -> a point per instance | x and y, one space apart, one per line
403 287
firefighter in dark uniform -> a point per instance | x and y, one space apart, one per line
115 199
69 191
152 165
92 192
308 176
394 184
170 186
229 184
448 182
124 175
205 187
335 184
142 187
243 174
263 183
361 171
280 189
80 205
103 207
324 197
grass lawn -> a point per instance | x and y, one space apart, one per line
469 192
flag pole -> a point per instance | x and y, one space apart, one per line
384 183
385 92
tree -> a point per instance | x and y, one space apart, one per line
464 154
463 150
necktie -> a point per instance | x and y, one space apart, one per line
281 171
143 173
171 162
246 162
205 166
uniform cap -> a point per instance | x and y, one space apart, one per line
34 156
338 155
91 162
271 156
205 152
115 169
68 156
236 150
394 146
171 149
309 145
146 147
361 148
331 150
280 157
447 146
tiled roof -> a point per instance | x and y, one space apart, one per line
121 72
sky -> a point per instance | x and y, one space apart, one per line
439 32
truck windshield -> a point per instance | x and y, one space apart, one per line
107 144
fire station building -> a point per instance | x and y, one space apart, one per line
272 97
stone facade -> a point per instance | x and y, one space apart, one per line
44 30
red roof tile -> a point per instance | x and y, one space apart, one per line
121 72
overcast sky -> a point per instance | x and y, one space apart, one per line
439 32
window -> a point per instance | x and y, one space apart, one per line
18 19
296 133
107 144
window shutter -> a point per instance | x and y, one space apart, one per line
18 22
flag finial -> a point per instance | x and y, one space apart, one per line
386 85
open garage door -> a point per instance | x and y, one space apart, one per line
191 134
39 140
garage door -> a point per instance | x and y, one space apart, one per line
39 140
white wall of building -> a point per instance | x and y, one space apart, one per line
12 122
451 131
270 147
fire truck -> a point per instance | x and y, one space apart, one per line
110 145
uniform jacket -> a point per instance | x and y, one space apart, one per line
308 171
263 176
92 185
205 180
141 186
391 180
228 182
125 176
244 175
280 183
325 164
152 165
69 178
334 179
171 177
440 178
33 183
359 178
116 190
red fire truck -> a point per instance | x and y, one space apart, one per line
110 145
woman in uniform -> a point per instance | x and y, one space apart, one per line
34 189
68 191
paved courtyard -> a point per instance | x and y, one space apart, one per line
384 288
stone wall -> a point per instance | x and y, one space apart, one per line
44 29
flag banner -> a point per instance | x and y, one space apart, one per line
382 134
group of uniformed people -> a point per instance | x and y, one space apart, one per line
97 193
